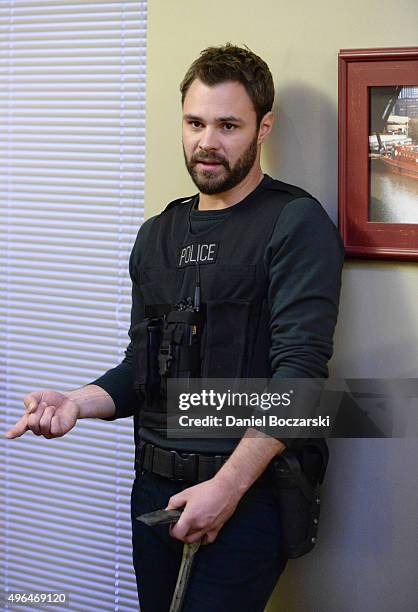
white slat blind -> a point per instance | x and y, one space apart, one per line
72 141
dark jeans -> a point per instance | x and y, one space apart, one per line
236 573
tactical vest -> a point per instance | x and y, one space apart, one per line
235 342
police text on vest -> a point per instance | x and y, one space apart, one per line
202 253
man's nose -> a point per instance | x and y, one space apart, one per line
209 140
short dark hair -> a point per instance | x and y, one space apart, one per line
228 62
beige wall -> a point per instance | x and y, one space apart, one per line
377 333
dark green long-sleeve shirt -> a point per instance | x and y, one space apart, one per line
303 260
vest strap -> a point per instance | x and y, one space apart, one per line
155 311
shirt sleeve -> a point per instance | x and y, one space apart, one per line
304 260
118 381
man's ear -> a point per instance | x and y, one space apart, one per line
266 125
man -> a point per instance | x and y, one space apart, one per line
270 263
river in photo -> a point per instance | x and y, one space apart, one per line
393 197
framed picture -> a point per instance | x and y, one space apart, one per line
378 152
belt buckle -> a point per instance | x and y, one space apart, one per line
184 468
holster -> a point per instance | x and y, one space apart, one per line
296 480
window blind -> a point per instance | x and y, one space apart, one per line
72 143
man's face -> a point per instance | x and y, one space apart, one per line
219 135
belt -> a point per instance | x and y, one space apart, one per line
177 465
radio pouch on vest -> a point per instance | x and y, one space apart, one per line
296 486
179 355
165 347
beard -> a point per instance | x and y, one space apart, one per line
211 182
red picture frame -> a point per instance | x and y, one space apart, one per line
358 71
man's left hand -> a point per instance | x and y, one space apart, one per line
208 505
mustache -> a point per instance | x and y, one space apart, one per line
209 158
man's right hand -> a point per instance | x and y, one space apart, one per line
47 413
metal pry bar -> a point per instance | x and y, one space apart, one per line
189 552
160 517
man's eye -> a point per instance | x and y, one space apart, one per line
195 124
229 127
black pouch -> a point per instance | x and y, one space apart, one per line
147 339
296 479
164 347
179 354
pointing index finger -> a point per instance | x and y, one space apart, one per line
19 429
